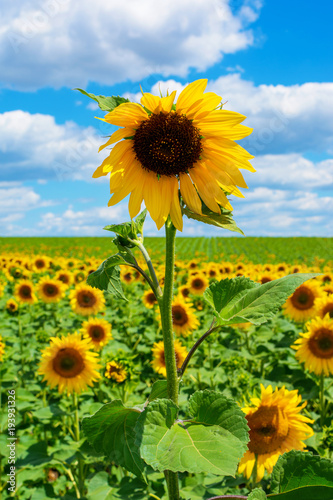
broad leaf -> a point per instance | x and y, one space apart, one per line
107 277
302 475
213 441
111 430
223 220
140 220
106 103
260 303
257 494
224 292
159 390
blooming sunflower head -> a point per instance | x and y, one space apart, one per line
24 292
183 318
98 331
276 427
11 306
300 306
149 299
158 362
116 371
65 277
50 290
86 300
198 284
324 305
69 364
315 347
187 145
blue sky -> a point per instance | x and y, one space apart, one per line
269 60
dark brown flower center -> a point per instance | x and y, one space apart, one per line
167 144
303 298
50 290
151 299
25 292
96 332
321 343
328 309
68 362
179 316
40 263
268 429
86 299
198 284
64 278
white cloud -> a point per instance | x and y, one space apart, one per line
17 198
67 43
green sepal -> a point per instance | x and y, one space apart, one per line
239 301
212 441
223 220
106 103
107 277
112 430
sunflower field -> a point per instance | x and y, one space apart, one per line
70 351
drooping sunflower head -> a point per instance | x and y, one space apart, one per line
300 306
115 371
198 284
188 145
86 300
276 427
158 362
50 290
315 347
183 318
24 292
69 364
98 331
149 299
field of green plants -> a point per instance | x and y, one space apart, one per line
49 446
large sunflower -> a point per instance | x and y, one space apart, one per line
300 306
158 362
69 363
190 143
315 347
24 292
86 300
98 331
50 290
275 428
183 318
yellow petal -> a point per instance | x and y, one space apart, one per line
117 136
128 114
150 101
167 102
175 211
189 193
152 195
204 190
135 201
190 94
221 118
209 102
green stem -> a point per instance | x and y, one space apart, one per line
322 400
77 438
147 258
165 305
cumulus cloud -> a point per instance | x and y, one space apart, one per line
64 42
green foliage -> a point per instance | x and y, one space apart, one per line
159 390
105 103
302 475
128 232
111 429
241 302
107 277
257 494
213 440
223 220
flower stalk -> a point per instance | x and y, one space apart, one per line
77 438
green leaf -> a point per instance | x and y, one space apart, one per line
106 103
259 303
223 220
140 220
159 390
224 292
107 277
302 475
111 429
213 441
257 494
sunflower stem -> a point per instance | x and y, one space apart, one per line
77 438
157 289
165 305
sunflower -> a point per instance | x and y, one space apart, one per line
275 428
98 331
190 143
86 300
212 270
324 306
2 348
149 299
127 275
300 306
327 289
115 371
65 277
184 291
41 263
24 292
79 276
315 347
183 318
266 277
11 305
50 290
69 364
198 284
326 278
158 362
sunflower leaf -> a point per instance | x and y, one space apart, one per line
257 494
224 292
111 429
139 221
213 440
159 390
257 304
107 277
223 220
302 475
106 103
